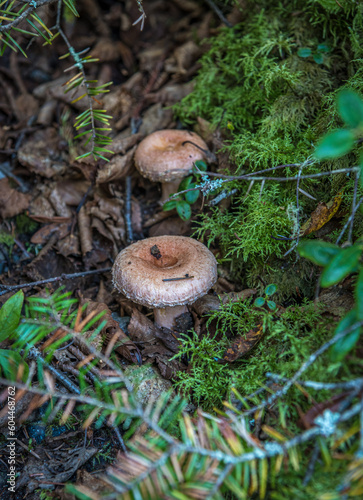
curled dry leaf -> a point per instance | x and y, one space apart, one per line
12 202
243 344
321 215
141 328
117 168
40 153
127 349
44 233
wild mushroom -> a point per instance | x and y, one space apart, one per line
165 273
167 156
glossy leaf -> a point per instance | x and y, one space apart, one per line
170 205
359 295
10 315
192 196
304 52
346 344
185 183
335 144
271 305
323 48
270 290
350 107
318 252
259 302
318 58
341 265
183 209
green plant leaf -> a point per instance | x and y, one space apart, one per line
335 144
341 265
346 344
323 48
192 196
201 165
350 107
10 315
318 58
319 252
9 364
170 205
359 295
304 52
259 302
183 209
271 305
270 290
185 183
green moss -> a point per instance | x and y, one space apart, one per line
286 344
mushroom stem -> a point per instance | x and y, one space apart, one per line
165 317
169 188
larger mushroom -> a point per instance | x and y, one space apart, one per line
167 156
165 273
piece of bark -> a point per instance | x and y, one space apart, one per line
85 231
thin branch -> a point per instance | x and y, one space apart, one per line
351 218
10 288
13 24
129 231
350 384
219 13
303 368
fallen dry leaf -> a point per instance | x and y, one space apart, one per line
243 344
321 215
12 202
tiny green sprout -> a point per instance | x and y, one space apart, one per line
183 203
317 54
261 301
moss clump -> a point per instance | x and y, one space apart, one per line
276 105
286 344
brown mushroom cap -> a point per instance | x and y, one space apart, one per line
162 157
138 271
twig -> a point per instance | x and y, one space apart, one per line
349 241
219 13
350 384
303 368
297 216
222 476
311 466
349 220
36 5
223 195
129 232
11 288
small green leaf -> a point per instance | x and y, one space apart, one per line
323 48
201 165
170 205
318 58
359 295
318 252
10 315
183 209
270 290
341 265
185 183
192 196
346 344
9 364
259 302
335 144
271 305
304 52
350 107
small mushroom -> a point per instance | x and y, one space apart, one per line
165 273
167 156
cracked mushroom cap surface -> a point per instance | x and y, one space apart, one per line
139 271
162 157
